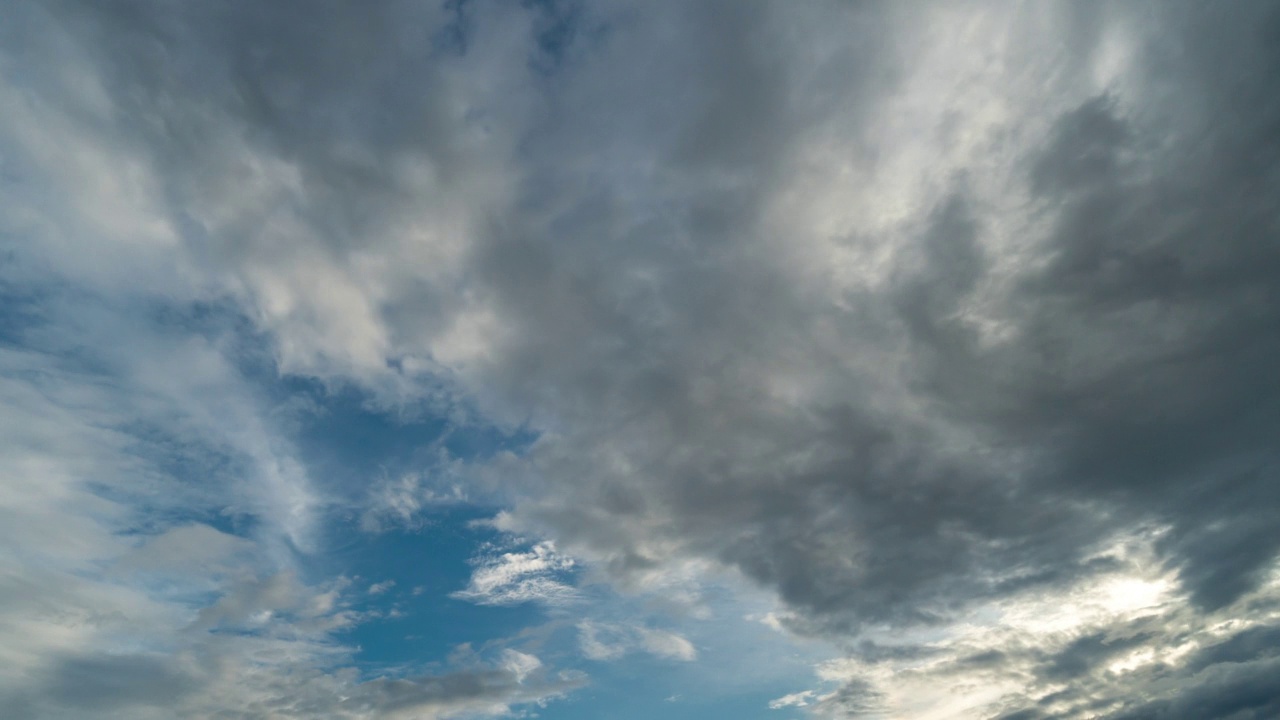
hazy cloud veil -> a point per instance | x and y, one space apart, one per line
953 327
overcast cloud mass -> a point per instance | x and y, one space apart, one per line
567 359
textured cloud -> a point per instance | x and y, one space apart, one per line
152 686
118 598
953 325
512 578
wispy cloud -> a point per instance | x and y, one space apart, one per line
402 500
381 587
605 641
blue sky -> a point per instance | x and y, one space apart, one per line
422 360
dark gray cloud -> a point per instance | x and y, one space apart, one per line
1122 378
1232 678
898 326
1086 653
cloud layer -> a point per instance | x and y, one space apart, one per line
952 326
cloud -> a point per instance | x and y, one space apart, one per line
381 587
482 691
608 641
193 621
154 686
1046 324
953 326
401 501
111 607
513 578
667 644
796 699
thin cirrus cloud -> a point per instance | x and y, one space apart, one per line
951 328
607 641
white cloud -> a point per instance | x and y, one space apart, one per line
519 664
382 587
667 644
513 578
602 642
797 699
401 501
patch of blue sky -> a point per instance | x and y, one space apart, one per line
404 571
719 683
21 307
404 578
641 688
348 442
558 24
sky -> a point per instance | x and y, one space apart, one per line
617 360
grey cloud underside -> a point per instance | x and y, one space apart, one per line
932 469
1231 679
957 428
1137 385
159 686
